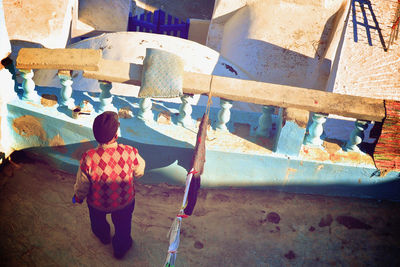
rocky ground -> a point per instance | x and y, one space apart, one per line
230 227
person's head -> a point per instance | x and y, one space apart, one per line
105 127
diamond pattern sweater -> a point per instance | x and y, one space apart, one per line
106 176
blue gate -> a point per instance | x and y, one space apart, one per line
159 22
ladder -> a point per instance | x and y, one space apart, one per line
365 23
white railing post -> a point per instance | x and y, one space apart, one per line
106 97
356 136
65 77
145 113
224 115
28 85
265 121
315 130
185 111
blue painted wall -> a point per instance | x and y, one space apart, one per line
168 159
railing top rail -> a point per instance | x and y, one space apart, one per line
362 108
68 59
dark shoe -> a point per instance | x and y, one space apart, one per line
105 241
119 254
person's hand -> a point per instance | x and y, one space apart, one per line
76 200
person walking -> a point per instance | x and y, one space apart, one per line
106 179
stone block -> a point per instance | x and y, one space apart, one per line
291 136
59 59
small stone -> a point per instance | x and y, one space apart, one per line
164 117
125 113
290 255
198 245
48 100
326 221
273 217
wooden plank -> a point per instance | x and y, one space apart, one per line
141 28
66 59
129 73
185 32
176 23
149 19
161 22
196 83
362 108
169 22
116 71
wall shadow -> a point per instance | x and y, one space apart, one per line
158 149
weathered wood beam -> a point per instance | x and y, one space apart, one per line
362 108
116 71
65 59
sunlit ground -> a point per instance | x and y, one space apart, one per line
41 227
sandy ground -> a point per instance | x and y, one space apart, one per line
41 227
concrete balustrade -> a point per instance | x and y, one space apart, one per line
106 97
265 122
28 85
185 111
224 115
315 130
145 112
66 88
289 137
356 136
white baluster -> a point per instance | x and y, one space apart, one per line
185 111
106 97
145 113
28 85
66 88
315 130
265 121
224 115
356 136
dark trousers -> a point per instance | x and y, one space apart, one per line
122 220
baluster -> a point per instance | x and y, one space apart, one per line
66 88
315 130
185 111
224 115
265 121
145 113
28 85
356 136
106 97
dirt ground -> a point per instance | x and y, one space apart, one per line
41 227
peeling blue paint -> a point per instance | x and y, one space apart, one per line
168 157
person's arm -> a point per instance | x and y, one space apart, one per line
82 186
140 165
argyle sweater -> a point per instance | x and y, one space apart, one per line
106 176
